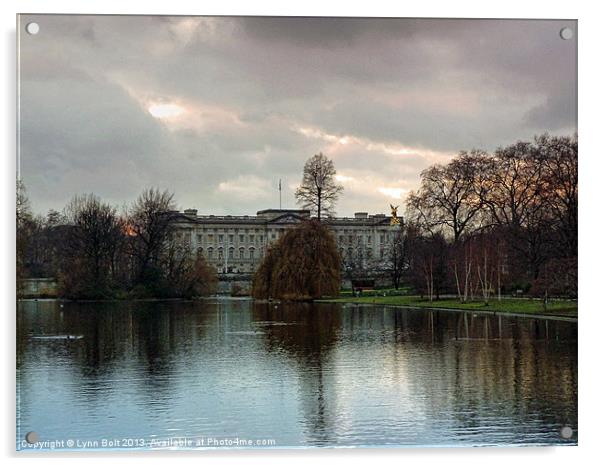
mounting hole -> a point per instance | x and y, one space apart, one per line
566 432
566 33
32 28
31 437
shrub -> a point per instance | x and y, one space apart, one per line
558 278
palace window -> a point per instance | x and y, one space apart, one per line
241 238
230 239
220 253
220 238
199 238
241 253
252 253
231 253
210 238
251 239
210 253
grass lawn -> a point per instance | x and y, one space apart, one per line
403 291
519 306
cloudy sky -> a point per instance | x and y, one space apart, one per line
218 110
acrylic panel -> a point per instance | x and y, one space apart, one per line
284 232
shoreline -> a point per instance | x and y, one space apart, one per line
569 314
140 300
492 312
343 301
114 300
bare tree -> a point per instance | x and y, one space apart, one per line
558 156
478 261
319 191
149 225
485 264
91 243
461 263
427 264
515 185
23 221
23 207
98 254
186 275
38 239
449 198
516 201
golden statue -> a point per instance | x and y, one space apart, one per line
394 217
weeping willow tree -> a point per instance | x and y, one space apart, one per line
304 264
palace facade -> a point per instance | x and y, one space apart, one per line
237 244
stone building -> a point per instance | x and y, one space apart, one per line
235 245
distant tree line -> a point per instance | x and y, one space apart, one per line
478 227
484 224
97 253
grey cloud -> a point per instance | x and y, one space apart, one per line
558 112
343 31
433 85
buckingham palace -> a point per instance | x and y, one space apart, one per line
235 244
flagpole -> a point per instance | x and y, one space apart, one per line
280 191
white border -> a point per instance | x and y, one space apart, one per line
590 162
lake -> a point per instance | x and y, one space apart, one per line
236 373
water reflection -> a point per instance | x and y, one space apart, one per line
293 331
301 374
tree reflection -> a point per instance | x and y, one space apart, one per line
356 371
308 338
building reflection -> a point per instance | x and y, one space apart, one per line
360 374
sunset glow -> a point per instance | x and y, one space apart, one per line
165 110
395 193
